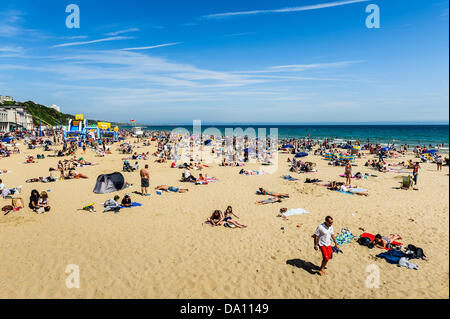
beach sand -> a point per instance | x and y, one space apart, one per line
164 250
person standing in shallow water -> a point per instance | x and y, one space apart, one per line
322 240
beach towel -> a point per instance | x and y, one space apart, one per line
295 211
357 190
344 237
133 204
340 191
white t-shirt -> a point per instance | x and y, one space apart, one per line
2 186
324 233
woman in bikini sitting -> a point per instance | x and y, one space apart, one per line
228 219
264 192
216 218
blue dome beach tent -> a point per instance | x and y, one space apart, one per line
108 183
287 146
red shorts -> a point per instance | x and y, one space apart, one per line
327 252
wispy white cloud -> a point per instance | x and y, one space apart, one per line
8 25
301 67
93 41
10 49
282 10
151 47
123 31
232 35
76 37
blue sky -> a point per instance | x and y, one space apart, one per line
285 61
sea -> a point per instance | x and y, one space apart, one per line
411 135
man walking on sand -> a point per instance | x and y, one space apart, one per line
145 180
322 239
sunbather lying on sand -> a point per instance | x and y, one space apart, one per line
353 190
339 186
385 241
270 200
264 192
171 189
246 172
75 174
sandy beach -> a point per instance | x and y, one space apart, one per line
164 250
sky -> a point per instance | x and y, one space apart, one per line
266 61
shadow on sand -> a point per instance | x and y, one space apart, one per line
305 265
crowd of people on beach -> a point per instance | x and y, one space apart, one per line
227 152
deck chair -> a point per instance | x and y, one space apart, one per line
406 182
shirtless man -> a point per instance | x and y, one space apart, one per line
171 189
145 180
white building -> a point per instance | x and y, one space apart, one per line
15 117
56 107
6 99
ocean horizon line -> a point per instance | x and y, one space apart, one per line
302 124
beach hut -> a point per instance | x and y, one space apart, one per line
108 183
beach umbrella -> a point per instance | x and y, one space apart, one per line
7 139
384 149
430 152
287 146
347 146
301 154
